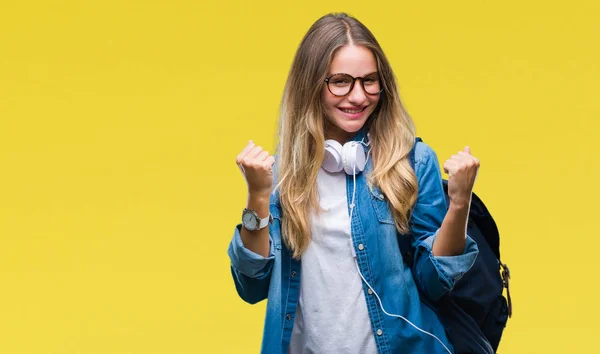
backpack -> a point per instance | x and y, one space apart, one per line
475 312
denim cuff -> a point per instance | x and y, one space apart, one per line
247 262
438 274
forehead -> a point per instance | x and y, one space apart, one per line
353 60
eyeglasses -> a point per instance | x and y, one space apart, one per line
342 84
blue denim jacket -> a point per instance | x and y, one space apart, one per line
277 277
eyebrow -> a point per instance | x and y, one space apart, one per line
342 73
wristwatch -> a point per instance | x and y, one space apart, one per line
252 222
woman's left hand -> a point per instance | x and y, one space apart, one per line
462 171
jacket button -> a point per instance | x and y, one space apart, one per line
293 273
370 291
361 247
288 317
379 332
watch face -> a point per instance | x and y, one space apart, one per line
249 221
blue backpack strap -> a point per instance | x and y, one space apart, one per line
404 240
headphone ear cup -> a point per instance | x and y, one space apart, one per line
353 156
332 161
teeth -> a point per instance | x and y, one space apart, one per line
351 110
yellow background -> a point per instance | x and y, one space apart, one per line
120 122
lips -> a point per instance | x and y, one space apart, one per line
352 110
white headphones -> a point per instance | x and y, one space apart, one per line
350 157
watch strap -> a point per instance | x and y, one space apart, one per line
264 222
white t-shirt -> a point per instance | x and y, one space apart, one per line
332 315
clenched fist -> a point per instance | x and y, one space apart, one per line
462 170
257 166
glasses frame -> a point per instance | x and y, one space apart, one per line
362 83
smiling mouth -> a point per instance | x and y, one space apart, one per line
352 111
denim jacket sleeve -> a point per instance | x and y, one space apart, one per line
434 275
251 272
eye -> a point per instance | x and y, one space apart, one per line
340 80
371 79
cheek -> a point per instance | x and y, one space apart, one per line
373 103
375 100
329 101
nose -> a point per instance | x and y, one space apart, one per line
358 95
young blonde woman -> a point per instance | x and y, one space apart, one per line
319 234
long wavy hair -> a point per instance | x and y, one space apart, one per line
303 124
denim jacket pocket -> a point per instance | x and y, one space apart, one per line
382 209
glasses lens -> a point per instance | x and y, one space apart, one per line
371 84
340 84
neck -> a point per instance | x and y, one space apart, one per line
342 136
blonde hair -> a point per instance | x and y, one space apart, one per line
302 131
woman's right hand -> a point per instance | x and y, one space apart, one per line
256 165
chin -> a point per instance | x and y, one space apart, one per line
353 129
351 126
346 127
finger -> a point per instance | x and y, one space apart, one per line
458 158
466 159
469 159
254 152
269 162
453 168
446 169
244 152
450 166
467 149
262 156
